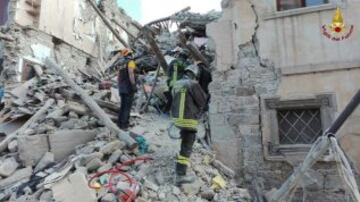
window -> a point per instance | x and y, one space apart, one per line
292 4
4 6
290 126
299 126
29 68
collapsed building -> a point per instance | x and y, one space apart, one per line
58 140
279 84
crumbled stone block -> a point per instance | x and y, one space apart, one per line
64 142
8 167
32 148
74 188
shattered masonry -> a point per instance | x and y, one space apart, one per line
265 58
54 141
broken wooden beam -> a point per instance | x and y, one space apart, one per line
108 105
194 51
145 108
155 48
91 104
39 114
107 23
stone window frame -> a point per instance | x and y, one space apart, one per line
270 132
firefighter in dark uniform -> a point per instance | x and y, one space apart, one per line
189 100
175 72
205 78
127 88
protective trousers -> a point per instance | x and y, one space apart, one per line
125 109
188 138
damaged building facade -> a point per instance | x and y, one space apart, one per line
279 83
30 31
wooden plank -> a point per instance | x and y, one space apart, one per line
92 104
155 48
195 52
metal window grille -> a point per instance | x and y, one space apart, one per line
299 126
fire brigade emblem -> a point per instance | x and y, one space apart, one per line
337 30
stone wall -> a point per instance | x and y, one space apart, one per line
74 56
243 77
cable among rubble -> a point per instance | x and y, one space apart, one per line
118 170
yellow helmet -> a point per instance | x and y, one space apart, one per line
132 64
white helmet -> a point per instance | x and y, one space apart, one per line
193 69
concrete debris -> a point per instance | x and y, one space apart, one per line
193 188
46 196
74 188
60 152
115 156
85 160
13 146
62 142
109 197
223 168
112 146
94 164
19 175
8 167
32 148
45 161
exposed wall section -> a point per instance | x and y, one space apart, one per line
80 25
251 52
80 39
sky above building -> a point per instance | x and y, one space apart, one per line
145 11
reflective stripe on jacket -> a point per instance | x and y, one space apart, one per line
176 71
188 102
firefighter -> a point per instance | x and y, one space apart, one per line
189 100
175 72
127 88
205 78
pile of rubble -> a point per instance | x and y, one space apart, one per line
60 142
54 158
55 154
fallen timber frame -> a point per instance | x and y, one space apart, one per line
317 150
155 48
92 104
195 52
